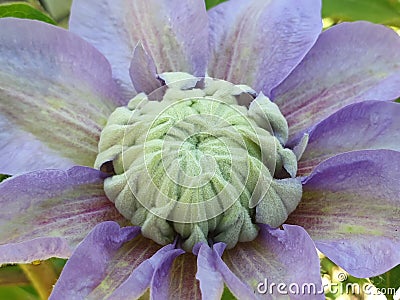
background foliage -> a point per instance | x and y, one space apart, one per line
21 282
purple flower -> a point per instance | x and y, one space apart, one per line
57 91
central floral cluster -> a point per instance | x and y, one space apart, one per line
198 165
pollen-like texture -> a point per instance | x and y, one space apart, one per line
197 164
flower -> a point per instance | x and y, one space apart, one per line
57 93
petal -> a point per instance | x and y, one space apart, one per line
212 272
176 282
366 125
276 257
54 203
36 249
56 92
259 42
182 280
173 32
22 152
211 281
146 274
349 63
160 286
143 71
129 271
129 257
350 207
87 265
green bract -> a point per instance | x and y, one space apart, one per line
197 164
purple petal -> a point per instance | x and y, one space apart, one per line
135 267
278 256
36 249
162 275
349 63
143 71
366 125
211 281
130 256
259 42
182 280
87 266
171 277
22 152
54 203
56 93
350 207
212 272
151 272
178 281
174 33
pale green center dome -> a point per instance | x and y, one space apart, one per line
197 165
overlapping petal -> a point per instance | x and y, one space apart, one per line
54 203
212 273
351 208
277 256
173 32
349 63
119 269
56 92
181 280
366 125
259 42
152 273
86 267
118 265
143 71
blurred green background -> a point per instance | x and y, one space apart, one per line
34 281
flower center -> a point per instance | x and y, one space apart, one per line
198 165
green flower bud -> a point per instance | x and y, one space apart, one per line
197 164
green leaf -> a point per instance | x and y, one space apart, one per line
388 283
15 285
12 275
227 295
378 11
2 177
23 11
58 264
211 3
15 292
